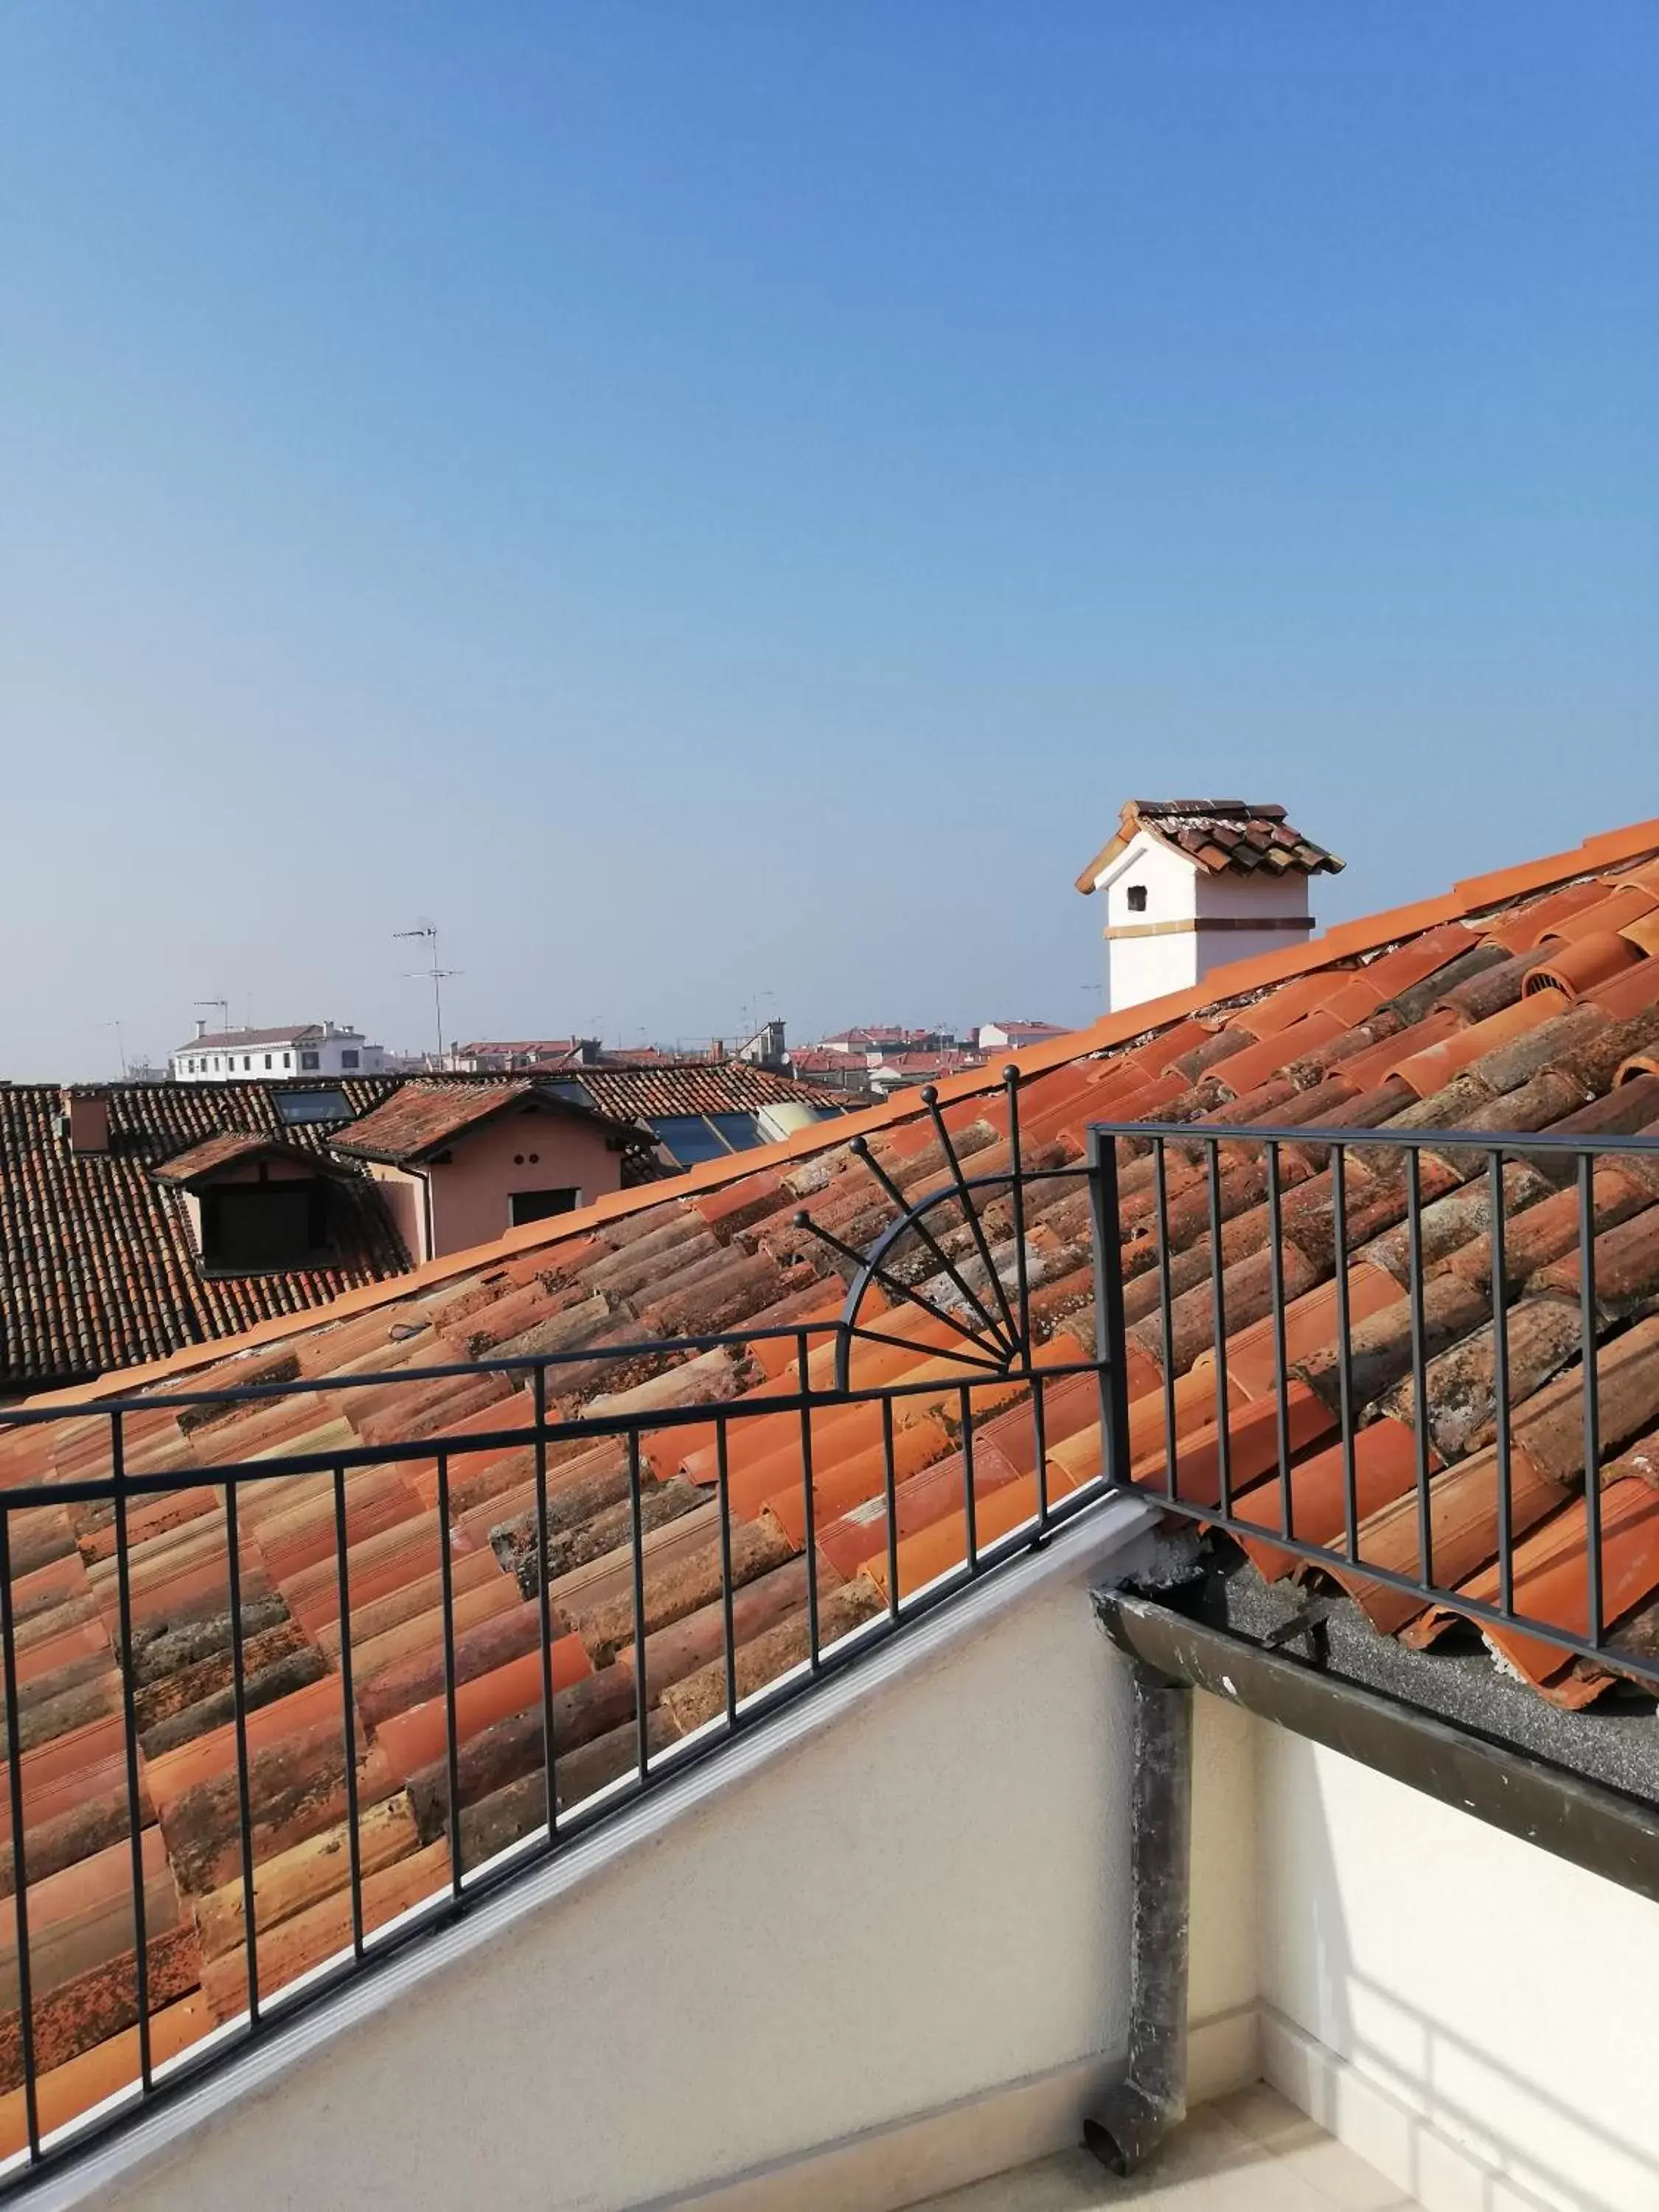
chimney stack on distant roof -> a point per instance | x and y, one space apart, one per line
1194 884
87 1116
201 1025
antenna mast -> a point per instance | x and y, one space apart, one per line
437 976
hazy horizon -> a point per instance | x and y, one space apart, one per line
718 508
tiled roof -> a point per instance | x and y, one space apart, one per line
98 1267
1222 836
1420 1015
289 1033
547 1049
423 1116
227 1151
695 1087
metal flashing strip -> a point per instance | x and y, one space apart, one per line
1586 1823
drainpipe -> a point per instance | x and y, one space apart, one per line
1134 2119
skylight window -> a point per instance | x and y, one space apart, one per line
740 1130
689 1137
572 1094
694 1137
294 1107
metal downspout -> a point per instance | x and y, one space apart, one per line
1134 2119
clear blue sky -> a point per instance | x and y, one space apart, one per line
717 499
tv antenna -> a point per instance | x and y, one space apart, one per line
223 1006
427 932
120 1045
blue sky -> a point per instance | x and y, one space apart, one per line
726 500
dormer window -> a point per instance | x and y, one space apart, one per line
249 1227
1136 896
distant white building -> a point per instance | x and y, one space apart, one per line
276 1055
1192 884
1005 1037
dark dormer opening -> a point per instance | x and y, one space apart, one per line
250 1226
1137 898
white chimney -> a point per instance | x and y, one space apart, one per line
1191 884
201 1025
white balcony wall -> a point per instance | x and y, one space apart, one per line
902 1941
1467 2012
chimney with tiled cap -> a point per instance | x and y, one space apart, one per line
1192 884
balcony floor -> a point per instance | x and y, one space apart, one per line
1251 2152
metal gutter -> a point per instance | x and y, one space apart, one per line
1586 1823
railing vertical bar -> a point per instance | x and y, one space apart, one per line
1500 1354
549 1772
636 1563
1166 1318
1040 1445
1593 1599
1218 1307
20 1887
1022 1270
808 1502
1345 1349
238 1705
1419 1365
349 1711
130 1737
1281 1364
969 1503
728 1626
889 1480
452 1724
1111 1334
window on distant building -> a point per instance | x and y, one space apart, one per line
257 1225
523 1205
287 1059
248 1062
1137 898
309 1059
267 1060
348 1059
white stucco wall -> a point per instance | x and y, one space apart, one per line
923 1900
1496 1991
1139 968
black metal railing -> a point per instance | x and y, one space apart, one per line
1266 1216
1409 1200
937 1259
